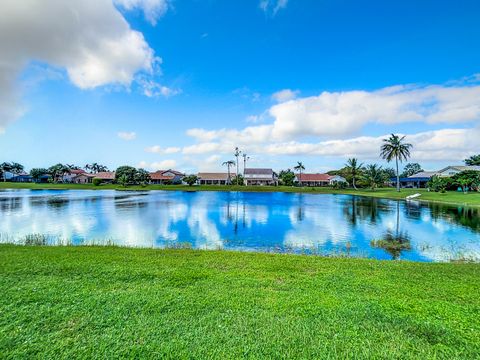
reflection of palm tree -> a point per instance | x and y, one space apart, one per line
394 242
300 215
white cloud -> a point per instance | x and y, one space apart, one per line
152 9
272 6
151 88
157 149
158 165
285 95
90 39
124 135
343 113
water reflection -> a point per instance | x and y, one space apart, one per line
320 224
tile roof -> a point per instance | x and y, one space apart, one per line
214 176
105 175
255 171
160 174
314 177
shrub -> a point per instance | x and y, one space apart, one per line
96 181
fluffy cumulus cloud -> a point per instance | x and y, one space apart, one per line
337 121
346 113
89 39
125 135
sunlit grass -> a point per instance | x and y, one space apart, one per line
84 302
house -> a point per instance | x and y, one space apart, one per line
105 176
166 177
256 176
452 170
22 178
205 178
318 179
68 177
418 180
84 178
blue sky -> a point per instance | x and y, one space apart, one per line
286 81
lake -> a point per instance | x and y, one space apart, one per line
340 225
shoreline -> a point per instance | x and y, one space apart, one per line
452 198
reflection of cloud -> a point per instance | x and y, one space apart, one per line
201 227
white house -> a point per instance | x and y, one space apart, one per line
254 176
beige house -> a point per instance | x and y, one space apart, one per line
205 178
452 170
83 178
319 179
105 176
257 176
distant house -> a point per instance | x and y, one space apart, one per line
166 177
105 176
69 177
22 178
256 176
205 178
455 169
84 178
319 179
418 180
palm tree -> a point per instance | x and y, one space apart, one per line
228 164
373 175
395 148
353 168
299 168
237 154
5 167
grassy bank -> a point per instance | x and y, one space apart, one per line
450 197
82 302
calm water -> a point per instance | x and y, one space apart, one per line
269 222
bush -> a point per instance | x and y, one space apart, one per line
96 181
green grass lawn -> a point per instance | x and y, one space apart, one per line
84 302
451 197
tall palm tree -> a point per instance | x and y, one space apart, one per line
228 164
237 154
353 168
300 167
395 148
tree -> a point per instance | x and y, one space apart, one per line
473 160
395 148
287 177
299 168
142 177
5 167
191 179
411 169
36 173
467 179
16 168
237 154
389 172
353 168
436 183
95 168
125 175
58 171
228 164
374 176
